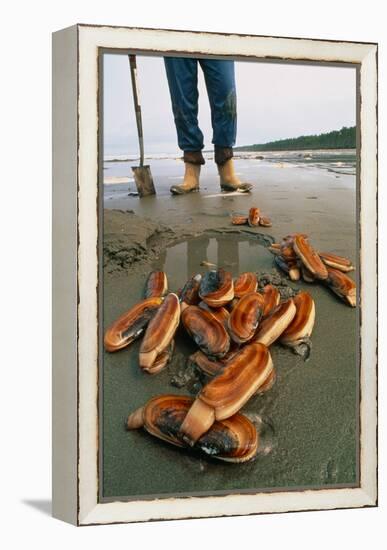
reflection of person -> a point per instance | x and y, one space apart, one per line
196 253
182 74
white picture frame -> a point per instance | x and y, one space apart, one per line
76 242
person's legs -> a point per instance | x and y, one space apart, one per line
182 75
220 82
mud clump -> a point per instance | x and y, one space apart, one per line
184 374
281 283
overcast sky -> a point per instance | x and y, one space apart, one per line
275 101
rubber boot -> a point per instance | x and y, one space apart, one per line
190 182
229 181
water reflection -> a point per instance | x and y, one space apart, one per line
196 253
233 253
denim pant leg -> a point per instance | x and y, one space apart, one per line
182 75
220 82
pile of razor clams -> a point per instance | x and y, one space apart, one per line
233 325
296 257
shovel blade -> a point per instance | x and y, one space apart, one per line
144 180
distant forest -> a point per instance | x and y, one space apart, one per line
338 139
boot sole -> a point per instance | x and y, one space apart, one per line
175 191
239 189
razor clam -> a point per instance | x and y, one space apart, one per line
189 294
211 367
307 276
208 333
232 440
245 316
309 257
271 298
221 314
342 285
274 249
162 359
268 383
287 252
282 264
225 394
297 334
289 239
289 267
245 283
337 262
217 288
230 306
265 221
156 284
274 325
294 272
254 215
239 220
129 326
160 332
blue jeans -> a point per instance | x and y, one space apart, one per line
219 75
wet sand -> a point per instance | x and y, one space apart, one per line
313 405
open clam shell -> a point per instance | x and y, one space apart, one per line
309 257
156 284
265 221
189 294
129 326
337 262
274 325
224 395
254 215
342 285
245 284
238 220
217 288
271 299
245 316
160 331
208 333
232 440
298 333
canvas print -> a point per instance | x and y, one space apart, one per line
229 345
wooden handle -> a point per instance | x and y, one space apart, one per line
137 107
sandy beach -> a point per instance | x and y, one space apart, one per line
311 412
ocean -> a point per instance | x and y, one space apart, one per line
167 168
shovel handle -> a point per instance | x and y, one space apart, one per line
137 107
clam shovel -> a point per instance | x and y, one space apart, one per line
142 173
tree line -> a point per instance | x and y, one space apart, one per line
338 139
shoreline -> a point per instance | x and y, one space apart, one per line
176 156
